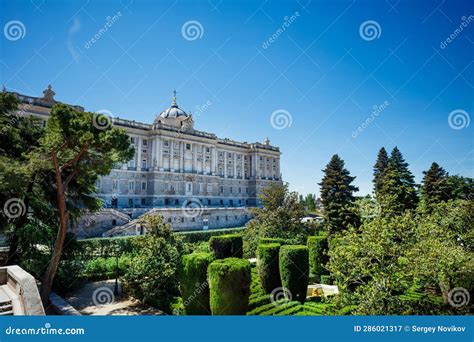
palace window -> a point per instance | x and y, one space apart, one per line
222 189
131 185
130 202
208 202
144 163
208 149
132 140
230 189
166 143
115 184
131 163
209 188
188 146
145 142
240 190
143 185
143 201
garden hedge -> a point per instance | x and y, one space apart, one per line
268 266
229 285
194 286
226 246
272 240
294 270
317 246
109 247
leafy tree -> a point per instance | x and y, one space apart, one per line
77 152
461 187
337 196
279 217
398 191
379 266
379 170
310 202
153 275
436 187
18 178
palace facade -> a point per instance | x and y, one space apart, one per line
177 166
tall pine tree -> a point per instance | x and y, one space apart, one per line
398 190
436 187
337 196
379 170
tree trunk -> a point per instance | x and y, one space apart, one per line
48 277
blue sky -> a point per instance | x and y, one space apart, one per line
309 62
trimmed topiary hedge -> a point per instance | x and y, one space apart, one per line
229 285
194 286
226 246
268 266
317 246
272 240
294 270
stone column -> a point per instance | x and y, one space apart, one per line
160 153
213 160
171 155
225 164
157 153
181 158
194 151
242 159
235 165
257 166
139 154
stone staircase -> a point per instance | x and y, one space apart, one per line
6 305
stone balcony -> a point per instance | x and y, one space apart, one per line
18 293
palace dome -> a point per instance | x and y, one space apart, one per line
174 111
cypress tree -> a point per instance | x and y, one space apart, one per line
379 170
337 196
398 191
436 187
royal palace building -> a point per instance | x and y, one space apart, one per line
175 167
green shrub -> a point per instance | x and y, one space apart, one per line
268 266
226 246
153 275
294 270
317 246
194 286
229 284
326 279
263 240
205 235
